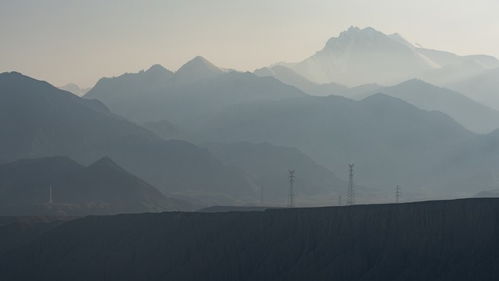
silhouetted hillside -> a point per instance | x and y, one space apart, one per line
442 240
101 188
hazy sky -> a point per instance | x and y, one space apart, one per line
65 41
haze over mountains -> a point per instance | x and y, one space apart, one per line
39 120
363 56
209 173
473 115
233 124
413 141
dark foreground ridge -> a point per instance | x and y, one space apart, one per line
440 240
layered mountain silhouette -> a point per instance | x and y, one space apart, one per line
39 120
390 140
363 56
441 240
197 89
471 114
60 186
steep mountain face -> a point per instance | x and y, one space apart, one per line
38 120
58 185
421 241
197 89
267 165
389 140
483 87
471 114
364 56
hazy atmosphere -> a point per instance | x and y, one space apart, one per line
81 41
230 140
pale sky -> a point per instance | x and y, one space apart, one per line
64 41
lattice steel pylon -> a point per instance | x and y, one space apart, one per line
351 191
291 202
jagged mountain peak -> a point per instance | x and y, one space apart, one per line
198 66
197 69
358 36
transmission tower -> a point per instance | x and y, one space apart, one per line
291 187
351 191
261 195
397 194
50 195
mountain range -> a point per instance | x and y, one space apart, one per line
194 91
390 141
411 129
413 133
39 120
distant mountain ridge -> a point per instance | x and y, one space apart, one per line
197 89
471 114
